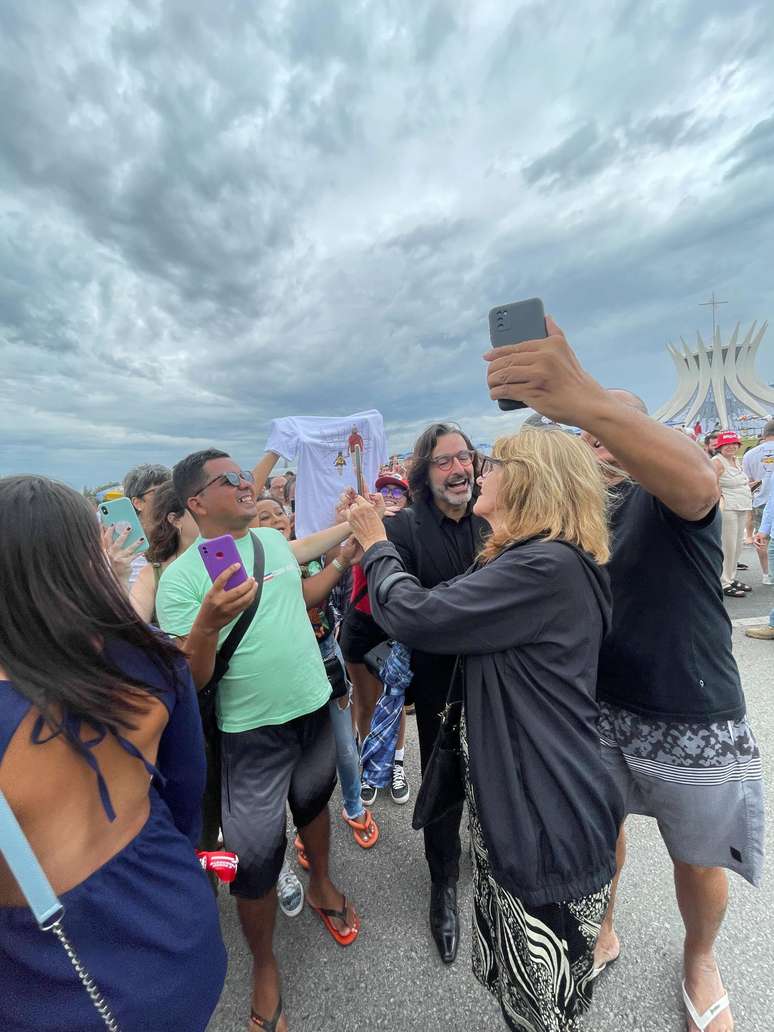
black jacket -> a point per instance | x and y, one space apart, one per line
529 626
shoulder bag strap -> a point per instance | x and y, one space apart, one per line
46 908
238 631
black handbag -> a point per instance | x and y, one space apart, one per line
443 782
337 676
376 657
226 651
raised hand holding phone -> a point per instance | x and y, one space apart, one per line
221 605
547 376
513 324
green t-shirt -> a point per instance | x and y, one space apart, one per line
276 674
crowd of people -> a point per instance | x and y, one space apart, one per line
150 711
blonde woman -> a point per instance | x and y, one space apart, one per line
526 621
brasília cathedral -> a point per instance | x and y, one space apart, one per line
717 385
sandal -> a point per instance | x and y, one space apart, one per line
364 829
702 1021
740 585
303 859
325 916
733 592
267 1024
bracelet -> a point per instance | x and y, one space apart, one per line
339 565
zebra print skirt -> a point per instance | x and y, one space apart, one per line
537 961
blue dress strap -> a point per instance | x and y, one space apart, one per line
85 746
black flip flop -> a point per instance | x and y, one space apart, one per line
266 1024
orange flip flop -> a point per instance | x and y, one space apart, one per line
325 916
303 859
365 830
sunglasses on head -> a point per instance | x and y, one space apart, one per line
392 492
232 479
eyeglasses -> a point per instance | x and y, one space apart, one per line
445 462
489 463
392 492
232 479
148 492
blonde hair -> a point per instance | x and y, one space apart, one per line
552 487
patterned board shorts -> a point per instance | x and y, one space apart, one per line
702 782
538 961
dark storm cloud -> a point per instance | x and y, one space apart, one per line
211 215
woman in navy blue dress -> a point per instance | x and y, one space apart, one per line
101 759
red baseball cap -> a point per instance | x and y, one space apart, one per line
727 437
391 479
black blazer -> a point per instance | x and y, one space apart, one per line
418 538
415 533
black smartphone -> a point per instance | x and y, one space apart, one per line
512 324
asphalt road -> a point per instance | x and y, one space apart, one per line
391 978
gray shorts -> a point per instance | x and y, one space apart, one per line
757 514
264 770
702 782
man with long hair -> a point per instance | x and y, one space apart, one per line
438 538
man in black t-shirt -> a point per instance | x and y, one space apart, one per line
673 723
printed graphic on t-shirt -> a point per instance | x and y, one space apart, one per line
332 454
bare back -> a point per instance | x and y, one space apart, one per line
55 795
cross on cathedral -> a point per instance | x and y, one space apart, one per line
715 305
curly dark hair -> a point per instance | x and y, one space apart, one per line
419 476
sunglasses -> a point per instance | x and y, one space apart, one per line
445 462
392 492
232 479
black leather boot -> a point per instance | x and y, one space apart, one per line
444 920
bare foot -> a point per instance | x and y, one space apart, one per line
705 987
327 896
607 948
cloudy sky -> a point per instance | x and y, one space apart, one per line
218 213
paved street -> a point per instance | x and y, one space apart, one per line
391 977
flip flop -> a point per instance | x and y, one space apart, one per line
325 916
702 1021
303 859
365 829
597 971
266 1024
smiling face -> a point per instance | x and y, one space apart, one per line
452 486
270 513
729 451
220 507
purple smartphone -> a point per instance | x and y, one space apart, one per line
218 554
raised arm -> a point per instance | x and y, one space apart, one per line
197 625
488 610
263 468
315 545
547 376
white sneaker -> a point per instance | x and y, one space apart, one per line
290 892
767 579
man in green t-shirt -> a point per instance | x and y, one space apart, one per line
276 737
